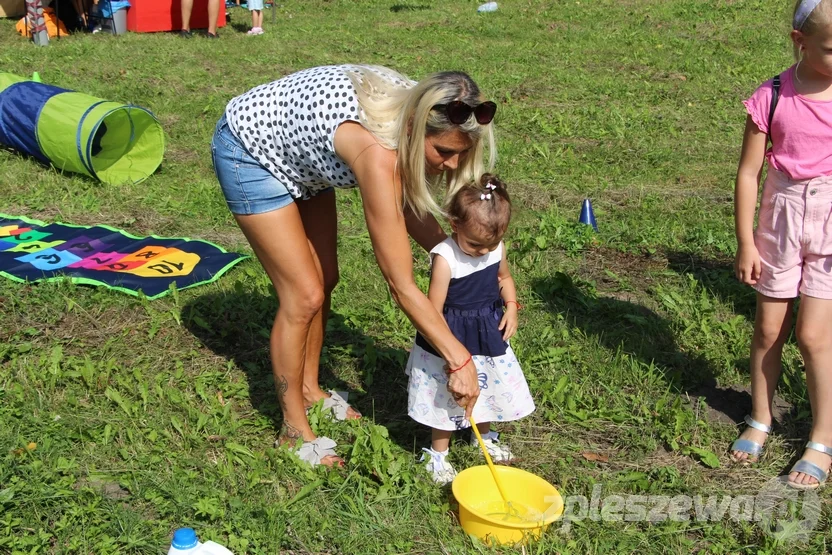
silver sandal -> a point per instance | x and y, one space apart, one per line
752 448
810 468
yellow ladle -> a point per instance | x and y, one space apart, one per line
491 466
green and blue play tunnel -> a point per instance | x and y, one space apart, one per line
75 132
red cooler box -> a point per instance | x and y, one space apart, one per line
150 16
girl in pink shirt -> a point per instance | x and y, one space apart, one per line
790 252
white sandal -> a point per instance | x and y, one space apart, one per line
337 405
313 452
440 469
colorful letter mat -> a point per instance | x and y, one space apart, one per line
31 250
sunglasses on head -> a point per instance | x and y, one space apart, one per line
458 112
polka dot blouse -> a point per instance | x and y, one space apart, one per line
288 126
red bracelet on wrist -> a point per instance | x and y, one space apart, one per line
464 364
519 306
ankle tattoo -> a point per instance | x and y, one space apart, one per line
290 432
282 387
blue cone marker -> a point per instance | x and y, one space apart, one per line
588 215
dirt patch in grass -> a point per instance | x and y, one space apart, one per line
47 214
635 274
83 327
726 404
410 24
182 155
134 221
730 404
532 196
50 214
661 457
634 271
146 221
694 263
110 490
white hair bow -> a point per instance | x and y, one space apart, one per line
485 196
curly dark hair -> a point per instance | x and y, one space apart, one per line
485 204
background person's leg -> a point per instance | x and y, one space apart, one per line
187 6
82 12
213 15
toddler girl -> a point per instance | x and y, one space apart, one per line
471 285
790 253
256 9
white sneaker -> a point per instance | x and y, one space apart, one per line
499 453
438 466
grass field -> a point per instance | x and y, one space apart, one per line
122 419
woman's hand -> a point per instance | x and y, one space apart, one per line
465 387
508 324
747 265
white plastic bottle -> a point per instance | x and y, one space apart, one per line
184 542
211 548
488 7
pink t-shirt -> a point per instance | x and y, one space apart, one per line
801 133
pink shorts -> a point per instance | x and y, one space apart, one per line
794 237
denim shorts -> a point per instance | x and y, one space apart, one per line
248 187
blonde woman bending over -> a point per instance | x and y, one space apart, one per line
279 152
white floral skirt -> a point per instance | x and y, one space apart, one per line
504 393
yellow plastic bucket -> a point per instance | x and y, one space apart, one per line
478 496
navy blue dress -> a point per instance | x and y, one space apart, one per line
473 309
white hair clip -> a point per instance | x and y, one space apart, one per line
485 197
490 186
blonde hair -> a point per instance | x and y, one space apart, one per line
820 17
399 113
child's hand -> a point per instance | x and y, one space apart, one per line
508 325
747 265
